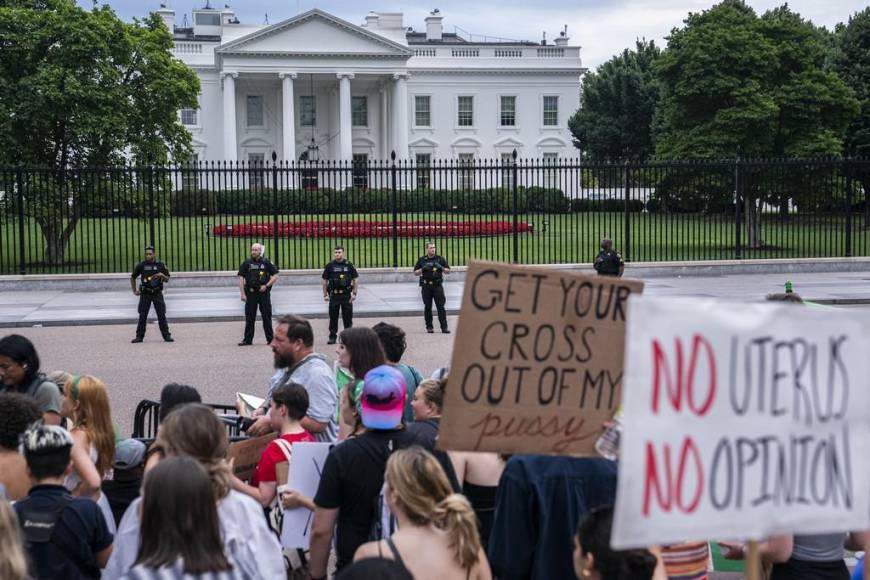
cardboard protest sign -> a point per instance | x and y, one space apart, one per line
742 421
246 454
306 465
537 362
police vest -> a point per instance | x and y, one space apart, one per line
151 282
433 271
257 275
608 262
339 276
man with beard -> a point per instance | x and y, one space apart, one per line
293 347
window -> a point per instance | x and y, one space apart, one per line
208 19
359 111
190 173
307 111
507 172
551 111
256 170
424 176
466 112
550 160
189 117
255 110
466 171
360 170
422 111
508 111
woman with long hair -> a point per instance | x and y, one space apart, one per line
194 431
359 350
13 560
431 515
86 404
180 530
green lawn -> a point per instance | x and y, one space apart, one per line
186 244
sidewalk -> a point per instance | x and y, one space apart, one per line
203 304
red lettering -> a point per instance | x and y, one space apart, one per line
660 367
698 341
689 447
682 383
651 480
669 493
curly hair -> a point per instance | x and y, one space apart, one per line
392 339
17 413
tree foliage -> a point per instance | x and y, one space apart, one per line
617 105
82 88
852 63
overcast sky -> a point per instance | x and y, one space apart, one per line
602 27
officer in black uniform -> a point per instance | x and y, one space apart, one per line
153 274
339 289
431 269
257 275
608 262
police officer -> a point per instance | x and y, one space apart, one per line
608 262
257 275
339 289
431 269
153 274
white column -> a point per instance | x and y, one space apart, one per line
345 127
400 114
385 122
230 144
288 115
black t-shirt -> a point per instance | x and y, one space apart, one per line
78 535
427 430
432 269
351 481
257 272
146 271
339 275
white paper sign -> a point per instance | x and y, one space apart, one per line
306 465
742 421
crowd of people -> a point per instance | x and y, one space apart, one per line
80 501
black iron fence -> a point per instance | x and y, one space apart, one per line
204 216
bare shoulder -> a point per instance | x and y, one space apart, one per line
372 550
481 570
80 437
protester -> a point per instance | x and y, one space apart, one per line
393 340
174 395
804 556
195 431
289 405
17 413
19 373
539 502
427 405
66 537
359 350
293 349
127 473
596 560
375 569
353 474
181 532
429 514
86 404
13 560
478 474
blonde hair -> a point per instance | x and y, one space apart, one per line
193 430
424 494
13 561
433 392
94 417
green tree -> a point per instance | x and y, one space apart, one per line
81 88
617 104
733 82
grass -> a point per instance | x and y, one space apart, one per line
186 244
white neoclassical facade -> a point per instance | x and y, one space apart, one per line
317 87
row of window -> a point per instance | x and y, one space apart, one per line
359 111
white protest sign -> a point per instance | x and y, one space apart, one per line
306 465
742 421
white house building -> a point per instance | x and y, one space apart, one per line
317 87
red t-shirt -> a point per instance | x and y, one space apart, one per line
273 455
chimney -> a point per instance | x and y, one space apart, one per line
168 16
228 16
544 38
372 19
562 39
434 28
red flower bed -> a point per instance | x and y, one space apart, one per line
370 229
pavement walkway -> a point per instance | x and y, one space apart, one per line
203 304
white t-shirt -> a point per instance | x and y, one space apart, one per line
248 541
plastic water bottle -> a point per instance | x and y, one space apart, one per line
607 445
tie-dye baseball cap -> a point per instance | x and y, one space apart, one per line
382 401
